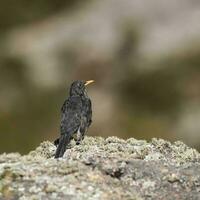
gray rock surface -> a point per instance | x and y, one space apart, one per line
101 168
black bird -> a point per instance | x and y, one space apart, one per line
76 116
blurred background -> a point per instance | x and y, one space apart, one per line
143 55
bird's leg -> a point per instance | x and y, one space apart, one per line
79 137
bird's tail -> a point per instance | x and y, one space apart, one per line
63 142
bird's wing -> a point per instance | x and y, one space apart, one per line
86 115
89 112
71 115
83 124
63 108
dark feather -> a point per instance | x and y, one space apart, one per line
63 141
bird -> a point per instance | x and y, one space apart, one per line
76 116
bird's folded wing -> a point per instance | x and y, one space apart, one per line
89 112
71 115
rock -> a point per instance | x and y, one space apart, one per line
46 150
100 168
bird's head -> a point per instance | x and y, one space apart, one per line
78 87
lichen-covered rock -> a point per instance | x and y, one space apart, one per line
101 168
46 150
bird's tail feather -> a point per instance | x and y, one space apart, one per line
63 142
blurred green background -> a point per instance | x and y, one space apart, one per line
143 55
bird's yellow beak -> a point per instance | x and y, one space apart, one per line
88 82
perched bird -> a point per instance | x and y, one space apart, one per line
76 116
